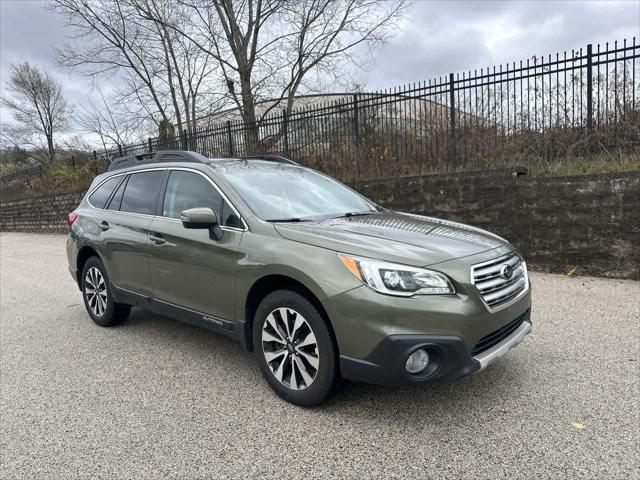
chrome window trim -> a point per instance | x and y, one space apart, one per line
120 175
130 213
164 169
498 260
177 220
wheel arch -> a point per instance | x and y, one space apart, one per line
84 254
271 283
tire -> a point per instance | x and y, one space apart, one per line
298 360
101 307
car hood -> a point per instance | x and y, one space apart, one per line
392 236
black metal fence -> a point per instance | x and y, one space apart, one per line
534 112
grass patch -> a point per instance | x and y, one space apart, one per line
603 163
58 179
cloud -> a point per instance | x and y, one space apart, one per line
438 37
434 38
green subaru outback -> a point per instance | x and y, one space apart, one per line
319 281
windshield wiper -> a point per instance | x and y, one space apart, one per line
357 214
289 220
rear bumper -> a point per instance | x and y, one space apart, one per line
74 275
72 258
450 358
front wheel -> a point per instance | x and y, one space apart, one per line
294 348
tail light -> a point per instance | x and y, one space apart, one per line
70 219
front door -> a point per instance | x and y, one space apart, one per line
189 269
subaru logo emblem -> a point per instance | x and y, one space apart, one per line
506 272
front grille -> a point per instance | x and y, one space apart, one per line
499 335
494 283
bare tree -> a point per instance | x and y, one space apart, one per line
38 107
183 59
272 48
163 73
113 122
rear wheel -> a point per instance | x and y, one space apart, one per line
294 348
98 299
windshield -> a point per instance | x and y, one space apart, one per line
290 193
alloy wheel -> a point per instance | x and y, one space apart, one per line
95 290
290 348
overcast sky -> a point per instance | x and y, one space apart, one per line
435 38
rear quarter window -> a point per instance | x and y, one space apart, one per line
101 194
116 199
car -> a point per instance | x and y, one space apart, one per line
320 282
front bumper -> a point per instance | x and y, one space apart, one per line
450 358
501 349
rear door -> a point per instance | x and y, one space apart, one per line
189 269
94 222
128 216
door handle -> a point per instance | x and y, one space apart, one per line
157 239
104 226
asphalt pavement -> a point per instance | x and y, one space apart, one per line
154 398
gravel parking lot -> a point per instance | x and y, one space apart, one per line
154 398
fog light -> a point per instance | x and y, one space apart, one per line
417 361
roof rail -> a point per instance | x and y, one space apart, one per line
156 157
269 158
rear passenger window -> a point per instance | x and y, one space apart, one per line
100 196
141 192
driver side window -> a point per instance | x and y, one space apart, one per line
190 190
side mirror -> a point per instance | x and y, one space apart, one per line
197 218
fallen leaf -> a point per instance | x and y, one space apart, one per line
571 272
579 426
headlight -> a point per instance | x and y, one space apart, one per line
394 279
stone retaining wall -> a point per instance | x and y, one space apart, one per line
591 222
